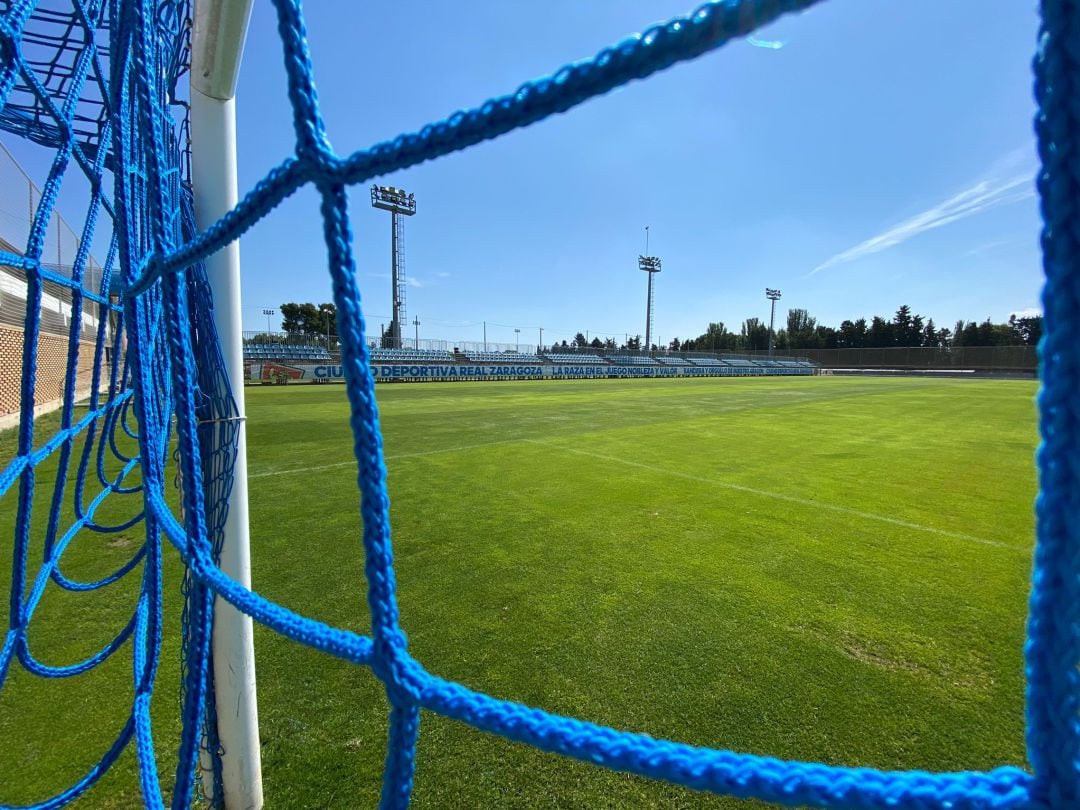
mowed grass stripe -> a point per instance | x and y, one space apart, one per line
395 457
812 504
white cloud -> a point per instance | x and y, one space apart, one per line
980 197
443 274
412 281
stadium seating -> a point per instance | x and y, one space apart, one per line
673 361
411 356
632 360
576 359
286 352
706 361
502 357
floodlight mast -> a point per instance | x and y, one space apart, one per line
774 296
399 204
651 265
217 43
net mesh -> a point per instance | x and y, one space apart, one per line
96 84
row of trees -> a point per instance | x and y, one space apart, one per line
800 331
904 329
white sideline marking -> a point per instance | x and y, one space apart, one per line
843 510
352 462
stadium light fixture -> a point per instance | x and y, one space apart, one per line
774 296
269 313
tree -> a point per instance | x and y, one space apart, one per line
970 334
675 345
825 337
958 333
907 329
880 334
580 341
801 331
852 334
901 326
387 341
1028 330
754 334
930 337
308 319
596 343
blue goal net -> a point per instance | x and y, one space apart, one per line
125 326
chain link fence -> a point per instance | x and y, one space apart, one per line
19 197
1022 359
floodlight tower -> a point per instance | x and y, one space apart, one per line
651 265
774 296
400 204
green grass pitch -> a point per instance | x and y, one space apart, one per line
830 569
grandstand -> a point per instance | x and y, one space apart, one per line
502 357
632 360
286 352
577 359
292 361
411 356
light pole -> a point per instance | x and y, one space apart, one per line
517 340
269 313
651 265
326 315
541 347
400 204
774 296
416 339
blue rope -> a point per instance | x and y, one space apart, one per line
166 382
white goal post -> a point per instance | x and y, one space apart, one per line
217 43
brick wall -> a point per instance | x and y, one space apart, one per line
51 365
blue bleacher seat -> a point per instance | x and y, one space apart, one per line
575 359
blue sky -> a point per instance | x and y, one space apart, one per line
879 153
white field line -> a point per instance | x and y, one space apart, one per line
352 462
843 510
